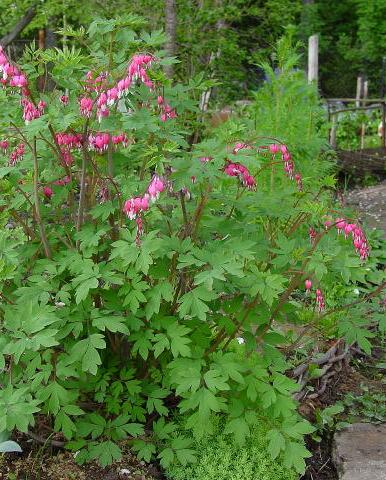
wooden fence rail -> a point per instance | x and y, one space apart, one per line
378 103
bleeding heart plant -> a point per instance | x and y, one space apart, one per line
124 284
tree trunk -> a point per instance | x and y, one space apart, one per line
170 29
19 27
46 83
220 26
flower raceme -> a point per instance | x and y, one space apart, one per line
72 141
66 157
242 172
156 187
4 144
137 71
357 234
320 303
289 166
168 113
13 77
11 74
136 206
99 142
240 146
30 112
17 154
239 170
120 139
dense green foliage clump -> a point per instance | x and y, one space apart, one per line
133 257
219 458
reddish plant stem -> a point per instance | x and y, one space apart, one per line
82 196
313 325
39 221
27 230
111 180
25 196
294 283
184 214
8 300
199 211
372 294
282 300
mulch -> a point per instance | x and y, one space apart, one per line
47 463
320 465
38 462
350 379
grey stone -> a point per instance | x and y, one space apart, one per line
359 452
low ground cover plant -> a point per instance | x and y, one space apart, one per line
131 260
219 457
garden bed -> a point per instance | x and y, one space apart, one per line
363 375
38 462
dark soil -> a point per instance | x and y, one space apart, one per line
45 463
320 465
361 373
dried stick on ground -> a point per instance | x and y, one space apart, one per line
330 364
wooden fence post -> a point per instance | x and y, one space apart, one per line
383 124
313 58
333 130
363 126
359 91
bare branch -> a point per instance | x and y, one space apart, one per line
19 27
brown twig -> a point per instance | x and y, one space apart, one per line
46 441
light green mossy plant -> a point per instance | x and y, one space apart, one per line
220 458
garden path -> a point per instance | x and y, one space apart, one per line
359 450
371 204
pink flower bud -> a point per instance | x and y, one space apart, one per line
86 104
308 285
64 99
274 148
47 192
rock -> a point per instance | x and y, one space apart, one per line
359 452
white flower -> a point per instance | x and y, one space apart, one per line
124 471
240 340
